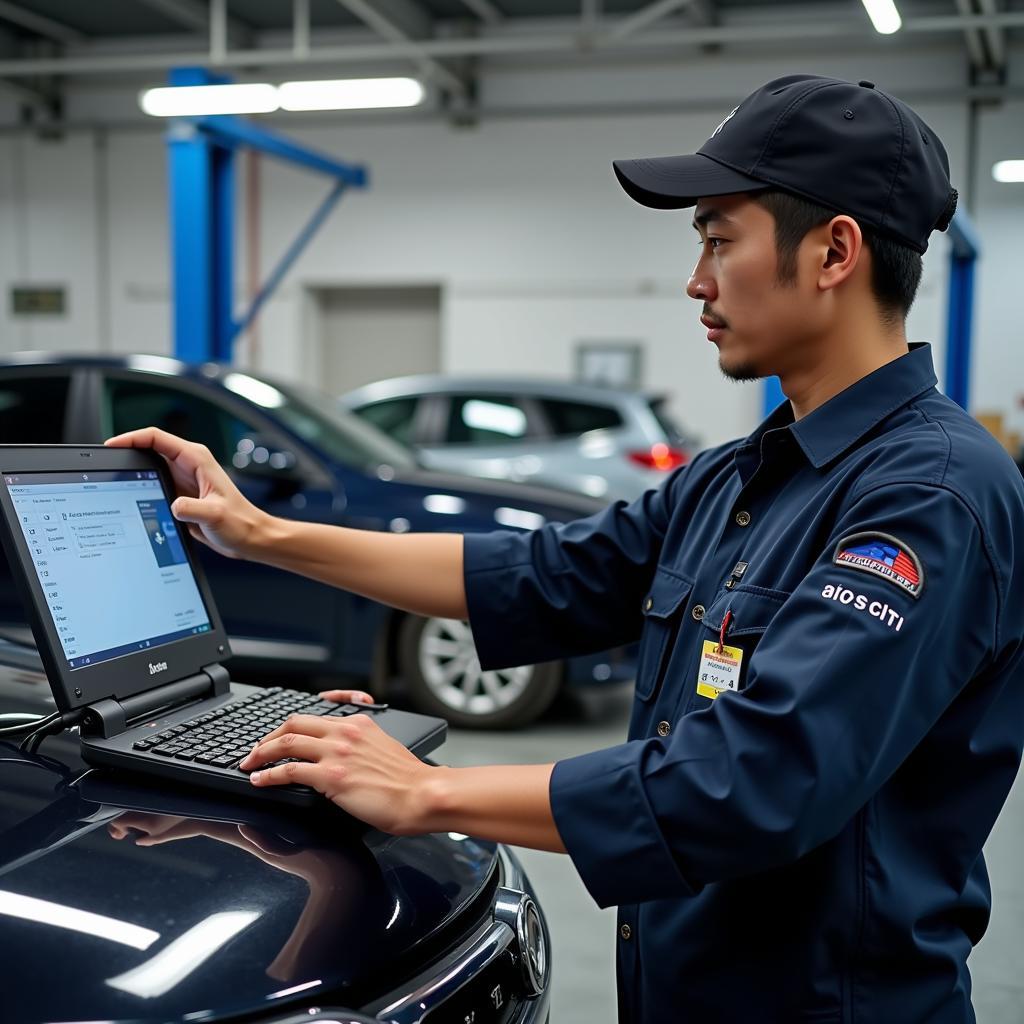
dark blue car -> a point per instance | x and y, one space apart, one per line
295 454
124 900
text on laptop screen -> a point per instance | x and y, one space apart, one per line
109 559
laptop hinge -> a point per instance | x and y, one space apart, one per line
109 717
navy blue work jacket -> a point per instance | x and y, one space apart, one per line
799 839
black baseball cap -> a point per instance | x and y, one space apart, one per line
851 148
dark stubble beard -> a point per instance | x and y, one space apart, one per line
742 374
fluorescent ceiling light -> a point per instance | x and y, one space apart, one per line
1008 170
883 15
350 94
196 100
57 915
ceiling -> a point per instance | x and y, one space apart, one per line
48 45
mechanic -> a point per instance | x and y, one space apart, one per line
830 697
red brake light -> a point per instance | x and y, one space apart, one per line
660 456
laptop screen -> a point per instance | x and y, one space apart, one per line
109 559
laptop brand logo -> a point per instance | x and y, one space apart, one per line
160 666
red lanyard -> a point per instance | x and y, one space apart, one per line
721 633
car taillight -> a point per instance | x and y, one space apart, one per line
659 456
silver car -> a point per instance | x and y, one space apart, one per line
605 442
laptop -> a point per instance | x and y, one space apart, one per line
128 631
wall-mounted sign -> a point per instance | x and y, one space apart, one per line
36 300
614 364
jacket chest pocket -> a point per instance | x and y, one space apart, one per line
746 613
663 609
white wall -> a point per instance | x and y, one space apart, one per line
519 220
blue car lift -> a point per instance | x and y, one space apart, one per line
201 152
964 252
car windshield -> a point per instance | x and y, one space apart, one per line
316 418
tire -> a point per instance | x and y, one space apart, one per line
438 662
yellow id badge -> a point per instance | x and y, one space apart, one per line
719 669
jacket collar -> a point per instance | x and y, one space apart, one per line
843 420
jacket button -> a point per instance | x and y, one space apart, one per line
698 612
625 931
648 604
664 728
742 518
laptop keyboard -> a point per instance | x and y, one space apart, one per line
222 737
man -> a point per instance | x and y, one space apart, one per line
829 695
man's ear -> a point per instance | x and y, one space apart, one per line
839 250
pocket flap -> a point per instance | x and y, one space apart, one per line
668 591
752 609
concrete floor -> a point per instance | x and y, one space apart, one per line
582 935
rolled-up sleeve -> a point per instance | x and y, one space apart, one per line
837 696
564 589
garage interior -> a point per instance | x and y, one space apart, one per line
481 232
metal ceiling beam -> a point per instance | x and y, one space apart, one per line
488 45
195 15
40 24
300 28
994 36
26 95
218 29
388 25
972 36
485 11
645 16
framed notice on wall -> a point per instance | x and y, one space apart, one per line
36 300
610 364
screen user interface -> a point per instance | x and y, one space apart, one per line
106 551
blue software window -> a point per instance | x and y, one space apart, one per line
163 535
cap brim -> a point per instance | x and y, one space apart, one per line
675 182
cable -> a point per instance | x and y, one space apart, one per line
55 723
34 722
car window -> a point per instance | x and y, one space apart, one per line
33 409
569 419
318 419
665 421
129 404
394 416
487 419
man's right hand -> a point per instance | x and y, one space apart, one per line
208 502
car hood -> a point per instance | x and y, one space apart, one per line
151 903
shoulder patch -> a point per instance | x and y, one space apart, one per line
882 555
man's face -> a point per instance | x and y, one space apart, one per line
758 323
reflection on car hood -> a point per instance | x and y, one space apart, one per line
152 903
562 503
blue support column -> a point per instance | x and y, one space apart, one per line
192 215
773 396
201 156
960 308
222 169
